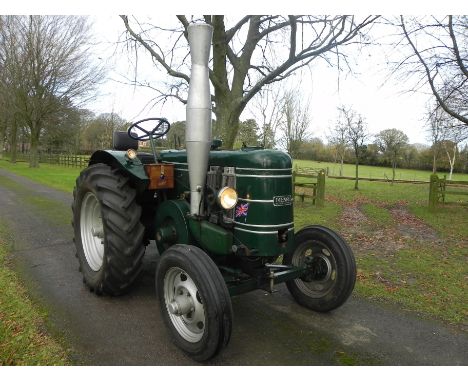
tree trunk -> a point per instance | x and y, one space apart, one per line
229 100
451 160
2 141
227 123
452 164
393 171
341 167
13 141
3 128
434 163
33 153
356 183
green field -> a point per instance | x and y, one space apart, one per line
374 171
405 254
58 177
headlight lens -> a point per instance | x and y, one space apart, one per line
131 154
227 198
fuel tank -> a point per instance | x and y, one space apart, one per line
262 221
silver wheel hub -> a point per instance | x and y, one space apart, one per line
184 304
322 268
92 231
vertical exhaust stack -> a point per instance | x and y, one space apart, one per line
198 130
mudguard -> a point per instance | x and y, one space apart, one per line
133 168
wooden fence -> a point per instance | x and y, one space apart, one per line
384 180
314 189
439 188
68 160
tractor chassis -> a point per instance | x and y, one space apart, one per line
274 274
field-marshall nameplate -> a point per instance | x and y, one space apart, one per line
286 200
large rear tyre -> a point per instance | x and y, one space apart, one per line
108 232
331 269
194 300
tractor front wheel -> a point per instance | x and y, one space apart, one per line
108 232
331 269
194 301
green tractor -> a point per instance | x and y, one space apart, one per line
222 222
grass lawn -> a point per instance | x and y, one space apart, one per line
58 177
405 254
23 336
374 171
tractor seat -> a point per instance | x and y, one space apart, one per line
122 142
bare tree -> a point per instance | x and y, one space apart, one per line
266 106
446 134
464 158
52 53
338 138
4 116
409 155
294 123
436 118
391 143
98 131
455 134
248 54
439 49
356 134
11 73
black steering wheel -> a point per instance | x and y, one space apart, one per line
135 131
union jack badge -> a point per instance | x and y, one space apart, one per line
242 209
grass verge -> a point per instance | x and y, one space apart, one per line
58 177
421 280
404 253
23 336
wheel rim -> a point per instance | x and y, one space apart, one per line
321 267
184 304
92 231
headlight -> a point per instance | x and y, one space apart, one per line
227 198
131 154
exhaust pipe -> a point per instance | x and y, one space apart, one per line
198 114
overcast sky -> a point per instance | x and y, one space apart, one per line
383 103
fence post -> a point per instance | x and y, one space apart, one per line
442 187
433 191
320 196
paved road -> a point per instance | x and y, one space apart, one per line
268 329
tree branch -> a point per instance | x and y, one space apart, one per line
153 53
431 78
455 48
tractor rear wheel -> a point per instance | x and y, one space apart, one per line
194 301
331 273
108 232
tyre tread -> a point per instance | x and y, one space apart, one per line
349 266
196 259
124 249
